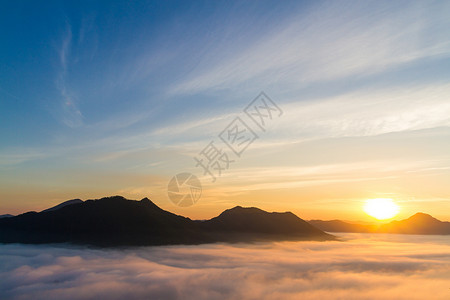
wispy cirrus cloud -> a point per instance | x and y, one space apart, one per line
329 42
370 112
361 113
69 114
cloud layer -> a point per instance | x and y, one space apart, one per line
359 267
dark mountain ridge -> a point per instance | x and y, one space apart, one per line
253 219
116 221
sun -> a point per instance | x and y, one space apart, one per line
381 208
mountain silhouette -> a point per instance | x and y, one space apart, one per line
254 221
116 221
6 216
341 226
419 223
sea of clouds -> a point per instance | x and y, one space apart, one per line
359 266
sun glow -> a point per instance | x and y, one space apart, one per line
381 208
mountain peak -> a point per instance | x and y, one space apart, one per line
252 220
242 209
422 217
113 198
147 202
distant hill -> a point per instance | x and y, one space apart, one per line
341 226
6 216
116 221
419 223
251 221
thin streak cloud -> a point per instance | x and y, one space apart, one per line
305 51
70 115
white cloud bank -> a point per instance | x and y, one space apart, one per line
362 267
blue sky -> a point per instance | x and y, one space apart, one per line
100 98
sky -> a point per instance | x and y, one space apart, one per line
363 267
115 98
